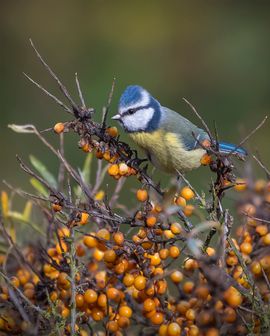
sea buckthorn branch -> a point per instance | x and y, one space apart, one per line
155 278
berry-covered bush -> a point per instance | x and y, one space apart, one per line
172 265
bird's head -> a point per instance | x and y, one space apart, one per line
138 111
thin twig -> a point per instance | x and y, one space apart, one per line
191 187
58 101
61 86
199 116
248 136
260 163
106 109
79 91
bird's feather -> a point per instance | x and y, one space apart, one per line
189 134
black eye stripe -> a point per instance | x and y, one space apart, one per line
134 110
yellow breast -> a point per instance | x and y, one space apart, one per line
167 152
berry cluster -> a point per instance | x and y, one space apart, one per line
147 265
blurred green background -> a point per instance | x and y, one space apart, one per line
214 53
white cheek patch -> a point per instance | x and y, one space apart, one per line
145 100
139 120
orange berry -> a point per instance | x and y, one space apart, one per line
164 253
174 251
260 186
188 286
212 332
140 282
229 315
246 247
63 280
262 229
107 155
125 311
123 169
181 201
256 268
113 170
249 209
177 276
142 195
149 305
188 210
155 259
102 300
206 159
232 260
29 293
219 305
99 154
112 131
128 280
176 228
240 184
266 239
193 330
104 234
161 286
79 300
118 237
56 207
80 252
112 326
163 330
90 241
97 314
157 318
190 314
61 247
98 254
86 148
90 296
59 128
65 312
233 297
210 251
168 234
173 329
53 296
142 233
190 264
113 294
63 232
109 256
206 143
123 322
15 281
187 193
151 221
84 218
202 292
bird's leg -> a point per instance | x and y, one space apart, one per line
136 161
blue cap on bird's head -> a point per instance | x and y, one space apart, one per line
132 95
138 110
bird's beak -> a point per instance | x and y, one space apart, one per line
116 117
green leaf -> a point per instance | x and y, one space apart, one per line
19 217
27 210
42 169
22 128
39 187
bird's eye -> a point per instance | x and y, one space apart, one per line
131 111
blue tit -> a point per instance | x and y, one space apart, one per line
171 142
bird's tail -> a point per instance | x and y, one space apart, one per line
226 148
